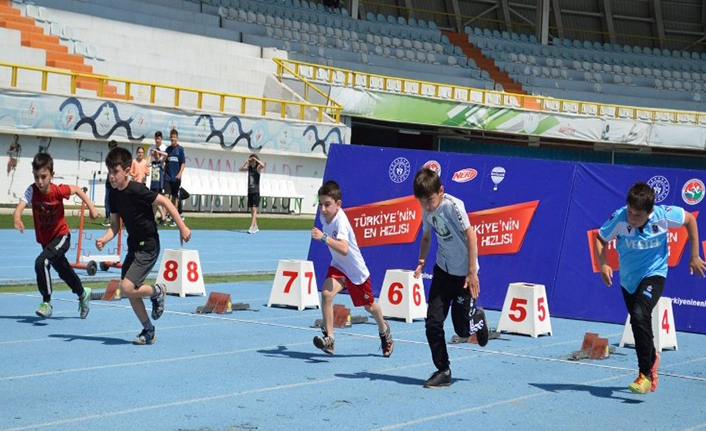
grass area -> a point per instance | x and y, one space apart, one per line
212 279
194 223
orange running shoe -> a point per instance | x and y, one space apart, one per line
653 373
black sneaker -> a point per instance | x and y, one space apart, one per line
479 326
158 302
145 337
324 343
439 379
386 342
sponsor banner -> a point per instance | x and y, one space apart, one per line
93 119
440 112
535 221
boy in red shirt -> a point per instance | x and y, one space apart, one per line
52 232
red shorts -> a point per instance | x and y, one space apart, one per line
361 294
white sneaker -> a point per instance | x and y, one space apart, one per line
255 230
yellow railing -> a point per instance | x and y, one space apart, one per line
412 87
147 92
570 32
294 72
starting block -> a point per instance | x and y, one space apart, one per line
294 285
341 318
525 310
402 296
473 339
664 329
112 292
220 303
180 271
593 347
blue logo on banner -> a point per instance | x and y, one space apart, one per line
660 185
399 170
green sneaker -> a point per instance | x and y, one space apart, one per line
641 384
84 305
45 310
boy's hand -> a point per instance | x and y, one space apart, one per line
418 271
93 213
698 266
100 243
185 235
472 284
607 275
316 234
19 226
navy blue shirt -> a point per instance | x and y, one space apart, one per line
175 157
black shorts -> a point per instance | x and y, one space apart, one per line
253 200
171 188
138 264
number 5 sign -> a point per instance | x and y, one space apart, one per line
180 271
525 310
294 285
402 296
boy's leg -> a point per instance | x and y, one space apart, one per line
41 268
640 305
461 310
437 310
136 267
375 311
332 286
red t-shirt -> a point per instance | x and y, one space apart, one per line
48 211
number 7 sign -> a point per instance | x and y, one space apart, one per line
294 285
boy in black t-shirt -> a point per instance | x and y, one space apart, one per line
133 202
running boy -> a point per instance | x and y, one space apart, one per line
347 269
52 232
640 229
455 279
133 202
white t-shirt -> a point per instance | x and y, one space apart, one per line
352 265
162 148
450 222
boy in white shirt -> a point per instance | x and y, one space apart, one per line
346 271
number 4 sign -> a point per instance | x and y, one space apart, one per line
294 285
525 310
180 271
402 296
663 329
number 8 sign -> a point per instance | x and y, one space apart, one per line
402 296
180 271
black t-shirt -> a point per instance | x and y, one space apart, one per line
253 179
134 206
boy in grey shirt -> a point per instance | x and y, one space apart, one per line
455 281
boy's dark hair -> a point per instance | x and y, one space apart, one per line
641 197
426 183
43 160
157 134
253 155
112 144
118 157
173 132
330 189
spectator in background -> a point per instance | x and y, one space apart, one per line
254 166
173 170
158 153
140 167
111 144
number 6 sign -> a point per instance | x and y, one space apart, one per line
294 285
402 296
525 310
180 271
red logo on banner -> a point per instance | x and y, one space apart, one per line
676 242
502 230
464 175
395 221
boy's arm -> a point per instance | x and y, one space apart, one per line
181 170
696 264
472 283
260 165
17 216
340 246
606 270
110 233
244 166
185 233
423 250
78 191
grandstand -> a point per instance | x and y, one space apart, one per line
282 67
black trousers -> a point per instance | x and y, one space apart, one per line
54 255
640 305
446 291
